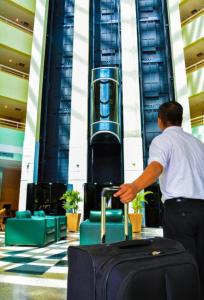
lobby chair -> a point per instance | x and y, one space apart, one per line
25 230
60 223
90 229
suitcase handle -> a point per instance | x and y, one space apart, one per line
134 244
105 191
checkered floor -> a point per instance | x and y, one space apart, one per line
45 266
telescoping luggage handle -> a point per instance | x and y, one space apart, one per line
104 192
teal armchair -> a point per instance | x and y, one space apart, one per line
25 230
60 223
90 229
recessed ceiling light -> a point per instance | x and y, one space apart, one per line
5 106
16 19
10 60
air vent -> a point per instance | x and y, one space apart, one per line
200 54
25 23
194 11
18 109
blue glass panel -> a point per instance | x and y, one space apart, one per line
155 65
56 106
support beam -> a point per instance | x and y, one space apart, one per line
178 62
133 153
34 99
79 105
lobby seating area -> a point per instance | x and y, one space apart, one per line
37 230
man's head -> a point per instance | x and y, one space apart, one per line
170 114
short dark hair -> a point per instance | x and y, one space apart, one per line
171 113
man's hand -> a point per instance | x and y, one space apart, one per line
127 192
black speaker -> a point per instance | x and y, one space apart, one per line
92 198
45 196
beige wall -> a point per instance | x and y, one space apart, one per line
10 187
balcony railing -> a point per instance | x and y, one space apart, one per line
15 24
13 124
192 17
195 66
197 121
14 72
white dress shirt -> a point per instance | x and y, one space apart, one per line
182 158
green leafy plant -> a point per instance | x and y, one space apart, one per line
72 199
137 202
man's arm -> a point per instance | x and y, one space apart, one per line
128 191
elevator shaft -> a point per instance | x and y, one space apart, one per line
105 159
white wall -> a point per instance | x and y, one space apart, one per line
180 80
79 107
34 98
133 153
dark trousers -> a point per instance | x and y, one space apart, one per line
183 221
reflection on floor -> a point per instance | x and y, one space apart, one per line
31 273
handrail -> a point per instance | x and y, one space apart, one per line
195 66
197 121
14 24
11 123
14 72
190 18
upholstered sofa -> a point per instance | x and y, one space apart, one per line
90 229
26 230
60 223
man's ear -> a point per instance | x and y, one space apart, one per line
161 124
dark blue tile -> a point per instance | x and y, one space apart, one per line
57 256
61 263
16 252
18 259
30 269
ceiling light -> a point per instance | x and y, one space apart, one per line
16 19
10 60
5 106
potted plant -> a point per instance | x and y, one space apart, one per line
137 205
71 204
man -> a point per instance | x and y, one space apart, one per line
177 159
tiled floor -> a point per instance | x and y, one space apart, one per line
31 273
34 273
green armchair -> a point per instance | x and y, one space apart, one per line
60 223
90 229
26 230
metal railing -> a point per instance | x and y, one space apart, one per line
11 123
195 66
14 72
197 121
192 17
15 24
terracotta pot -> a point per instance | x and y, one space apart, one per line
73 220
136 221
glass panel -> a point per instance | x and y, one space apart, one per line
105 101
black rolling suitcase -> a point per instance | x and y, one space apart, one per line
151 269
